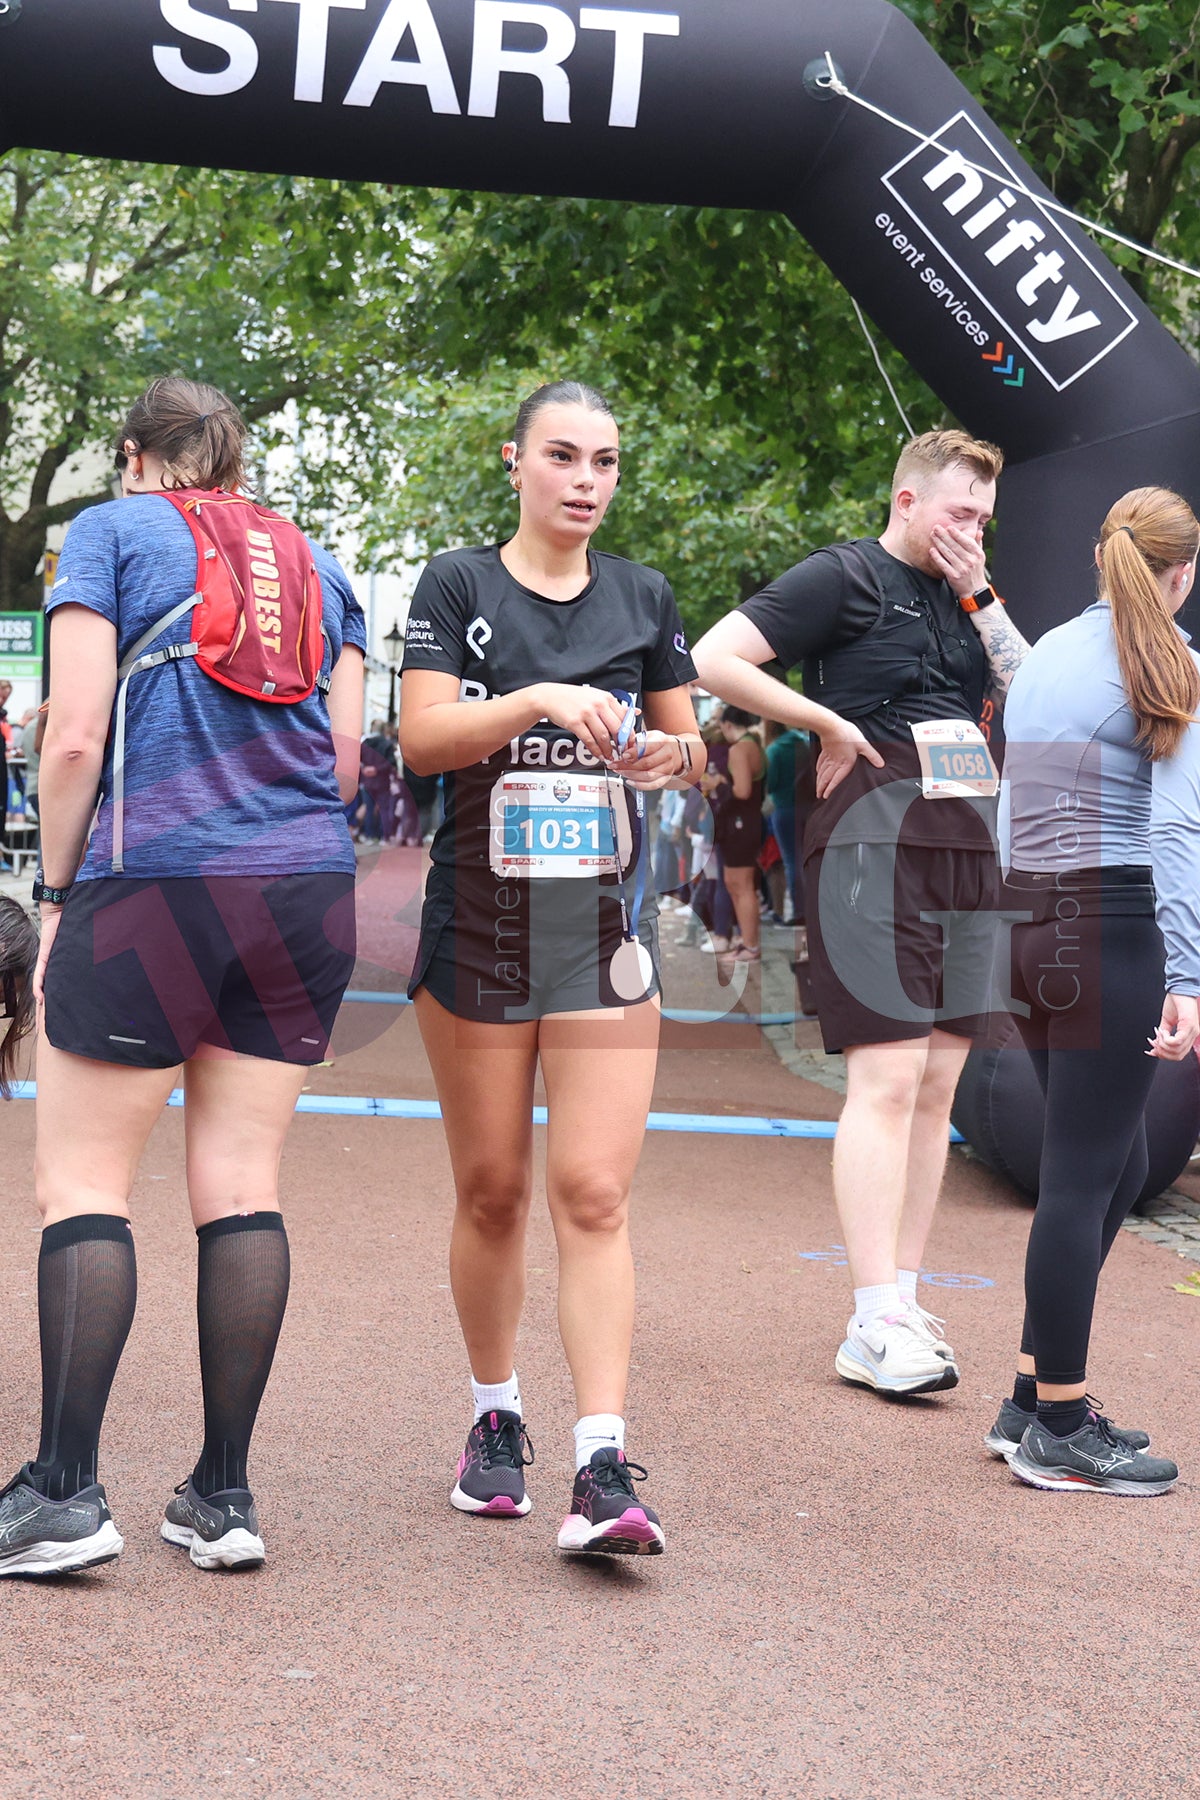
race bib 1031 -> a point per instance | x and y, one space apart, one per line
557 825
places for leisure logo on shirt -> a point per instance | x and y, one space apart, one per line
1003 250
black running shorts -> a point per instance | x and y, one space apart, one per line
902 940
505 952
146 972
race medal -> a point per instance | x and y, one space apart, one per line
631 971
956 763
557 825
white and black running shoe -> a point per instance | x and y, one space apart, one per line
54 1537
219 1532
1092 1457
491 1470
1006 1434
894 1355
606 1515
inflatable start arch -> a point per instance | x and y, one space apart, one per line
1018 323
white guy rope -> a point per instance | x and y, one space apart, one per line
879 365
836 85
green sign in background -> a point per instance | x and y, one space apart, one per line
20 644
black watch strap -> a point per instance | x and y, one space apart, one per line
54 896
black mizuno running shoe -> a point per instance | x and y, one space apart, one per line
220 1532
1092 1457
54 1537
491 1480
606 1515
1006 1434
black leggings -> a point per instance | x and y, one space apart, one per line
1090 969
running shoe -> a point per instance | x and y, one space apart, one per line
54 1537
220 1531
894 1355
1092 1457
490 1479
606 1515
1006 1434
933 1330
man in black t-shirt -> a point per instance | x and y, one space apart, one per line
898 639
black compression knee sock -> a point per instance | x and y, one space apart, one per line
1062 1417
87 1290
241 1293
1024 1393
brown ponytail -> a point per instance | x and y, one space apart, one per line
18 958
1149 531
196 430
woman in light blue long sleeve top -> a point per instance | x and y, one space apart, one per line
1100 833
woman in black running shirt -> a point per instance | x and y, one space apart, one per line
530 671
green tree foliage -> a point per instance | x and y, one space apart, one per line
742 385
111 275
405 326
1104 101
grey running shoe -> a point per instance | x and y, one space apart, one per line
219 1532
1092 1457
54 1537
491 1480
1006 1434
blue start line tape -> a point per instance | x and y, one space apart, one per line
682 1016
362 1107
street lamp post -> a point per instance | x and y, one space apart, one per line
393 643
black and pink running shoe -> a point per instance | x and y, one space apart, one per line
490 1479
606 1515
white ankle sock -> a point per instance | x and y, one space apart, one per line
906 1281
496 1396
873 1302
598 1431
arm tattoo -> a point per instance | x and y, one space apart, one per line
1005 647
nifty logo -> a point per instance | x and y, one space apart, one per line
1044 293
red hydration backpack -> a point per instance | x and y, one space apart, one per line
256 615
257 618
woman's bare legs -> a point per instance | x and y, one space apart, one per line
484 1076
93 1119
743 891
599 1070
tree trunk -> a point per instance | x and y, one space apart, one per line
21 551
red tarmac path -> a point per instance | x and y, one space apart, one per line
855 1601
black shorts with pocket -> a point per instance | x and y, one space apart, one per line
504 952
884 967
145 973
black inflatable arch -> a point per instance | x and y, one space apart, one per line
1018 323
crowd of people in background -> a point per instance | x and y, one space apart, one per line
393 805
723 903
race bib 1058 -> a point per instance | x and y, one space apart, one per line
956 763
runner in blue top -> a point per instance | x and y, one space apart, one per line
215 940
1101 835
528 667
